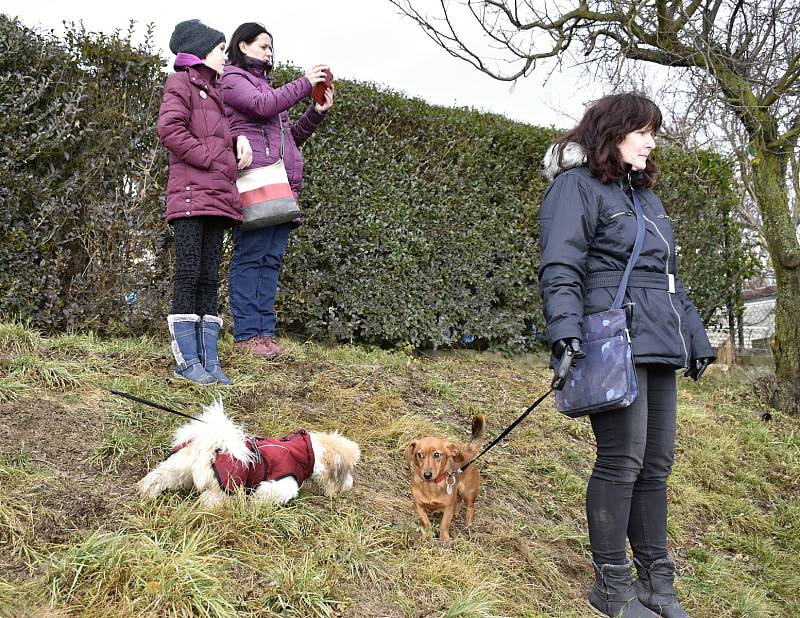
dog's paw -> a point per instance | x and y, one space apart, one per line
426 531
210 498
148 487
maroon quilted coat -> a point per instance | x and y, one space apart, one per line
291 455
202 161
254 107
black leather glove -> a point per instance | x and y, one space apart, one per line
561 344
565 351
697 366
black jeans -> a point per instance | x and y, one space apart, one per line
627 492
198 252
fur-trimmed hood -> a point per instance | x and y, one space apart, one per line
573 156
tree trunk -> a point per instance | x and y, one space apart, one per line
786 343
740 331
771 191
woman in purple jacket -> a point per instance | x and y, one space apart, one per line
202 199
259 112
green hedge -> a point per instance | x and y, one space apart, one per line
420 225
81 173
420 222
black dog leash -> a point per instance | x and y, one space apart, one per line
559 379
152 404
506 431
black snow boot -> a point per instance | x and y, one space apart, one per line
655 588
612 593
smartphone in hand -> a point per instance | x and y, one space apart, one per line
318 91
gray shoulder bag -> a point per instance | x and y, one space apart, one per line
606 378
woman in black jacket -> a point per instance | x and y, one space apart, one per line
588 226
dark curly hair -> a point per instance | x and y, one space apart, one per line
604 125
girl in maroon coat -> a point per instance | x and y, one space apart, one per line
202 200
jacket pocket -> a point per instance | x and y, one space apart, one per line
597 299
617 225
656 330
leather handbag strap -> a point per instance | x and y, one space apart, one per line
280 122
637 247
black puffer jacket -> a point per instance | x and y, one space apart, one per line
588 227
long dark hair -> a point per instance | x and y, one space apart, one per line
604 125
247 33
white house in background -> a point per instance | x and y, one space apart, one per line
758 320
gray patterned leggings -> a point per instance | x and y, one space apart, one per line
198 252
627 492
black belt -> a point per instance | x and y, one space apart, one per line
612 279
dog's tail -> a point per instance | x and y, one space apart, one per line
478 430
214 431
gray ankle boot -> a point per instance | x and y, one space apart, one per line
655 588
612 593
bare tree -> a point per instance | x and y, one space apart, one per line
742 54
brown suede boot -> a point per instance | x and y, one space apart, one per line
253 346
274 350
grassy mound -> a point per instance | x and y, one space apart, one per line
76 541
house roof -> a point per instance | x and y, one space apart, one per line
767 291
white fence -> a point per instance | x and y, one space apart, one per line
758 326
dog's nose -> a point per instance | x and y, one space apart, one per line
427 475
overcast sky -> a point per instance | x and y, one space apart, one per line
360 39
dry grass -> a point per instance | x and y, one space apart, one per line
75 540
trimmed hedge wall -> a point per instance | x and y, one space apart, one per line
420 225
81 174
420 222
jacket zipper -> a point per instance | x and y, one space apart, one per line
666 268
266 144
669 295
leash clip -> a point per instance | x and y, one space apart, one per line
254 448
451 480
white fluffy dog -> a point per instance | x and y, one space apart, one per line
213 456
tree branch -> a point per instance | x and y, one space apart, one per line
786 81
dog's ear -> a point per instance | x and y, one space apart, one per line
454 450
410 453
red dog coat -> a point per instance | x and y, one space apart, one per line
276 458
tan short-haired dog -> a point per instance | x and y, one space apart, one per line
432 490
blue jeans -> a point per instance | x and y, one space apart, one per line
627 492
256 263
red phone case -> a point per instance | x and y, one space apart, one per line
318 91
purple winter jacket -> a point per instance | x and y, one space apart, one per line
253 106
202 161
